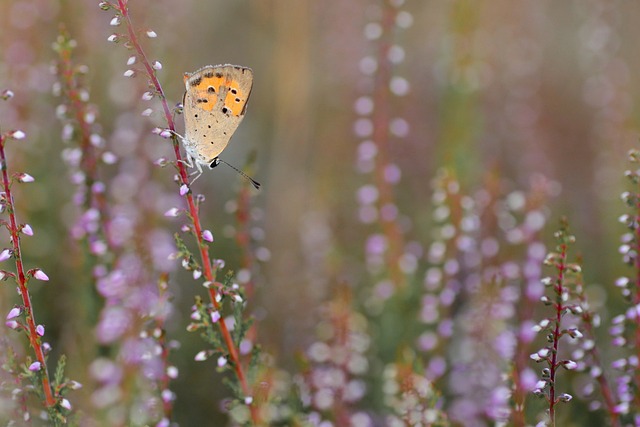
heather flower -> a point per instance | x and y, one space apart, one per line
15 312
40 275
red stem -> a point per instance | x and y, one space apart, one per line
34 339
381 119
556 333
193 210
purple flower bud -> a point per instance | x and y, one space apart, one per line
543 352
26 229
25 177
40 330
5 255
207 235
115 21
619 364
184 189
172 212
167 396
40 275
565 397
6 94
222 361
17 134
15 312
12 324
215 316
157 65
248 400
35 366
74 385
201 356
65 404
574 333
172 372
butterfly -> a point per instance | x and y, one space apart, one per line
214 104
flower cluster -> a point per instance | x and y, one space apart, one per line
566 313
30 376
225 334
626 326
411 397
332 384
388 259
112 225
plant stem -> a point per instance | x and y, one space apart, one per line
21 279
192 208
561 266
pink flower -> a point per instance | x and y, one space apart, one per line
35 366
172 372
25 177
17 134
5 255
207 235
40 330
40 275
12 324
26 229
184 189
172 212
15 312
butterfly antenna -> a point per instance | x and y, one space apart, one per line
253 181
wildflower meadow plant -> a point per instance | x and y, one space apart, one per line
31 373
223 328
455 311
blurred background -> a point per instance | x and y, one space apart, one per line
518 89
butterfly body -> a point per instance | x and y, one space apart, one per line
214 104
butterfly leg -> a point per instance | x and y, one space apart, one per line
198 171
187 162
